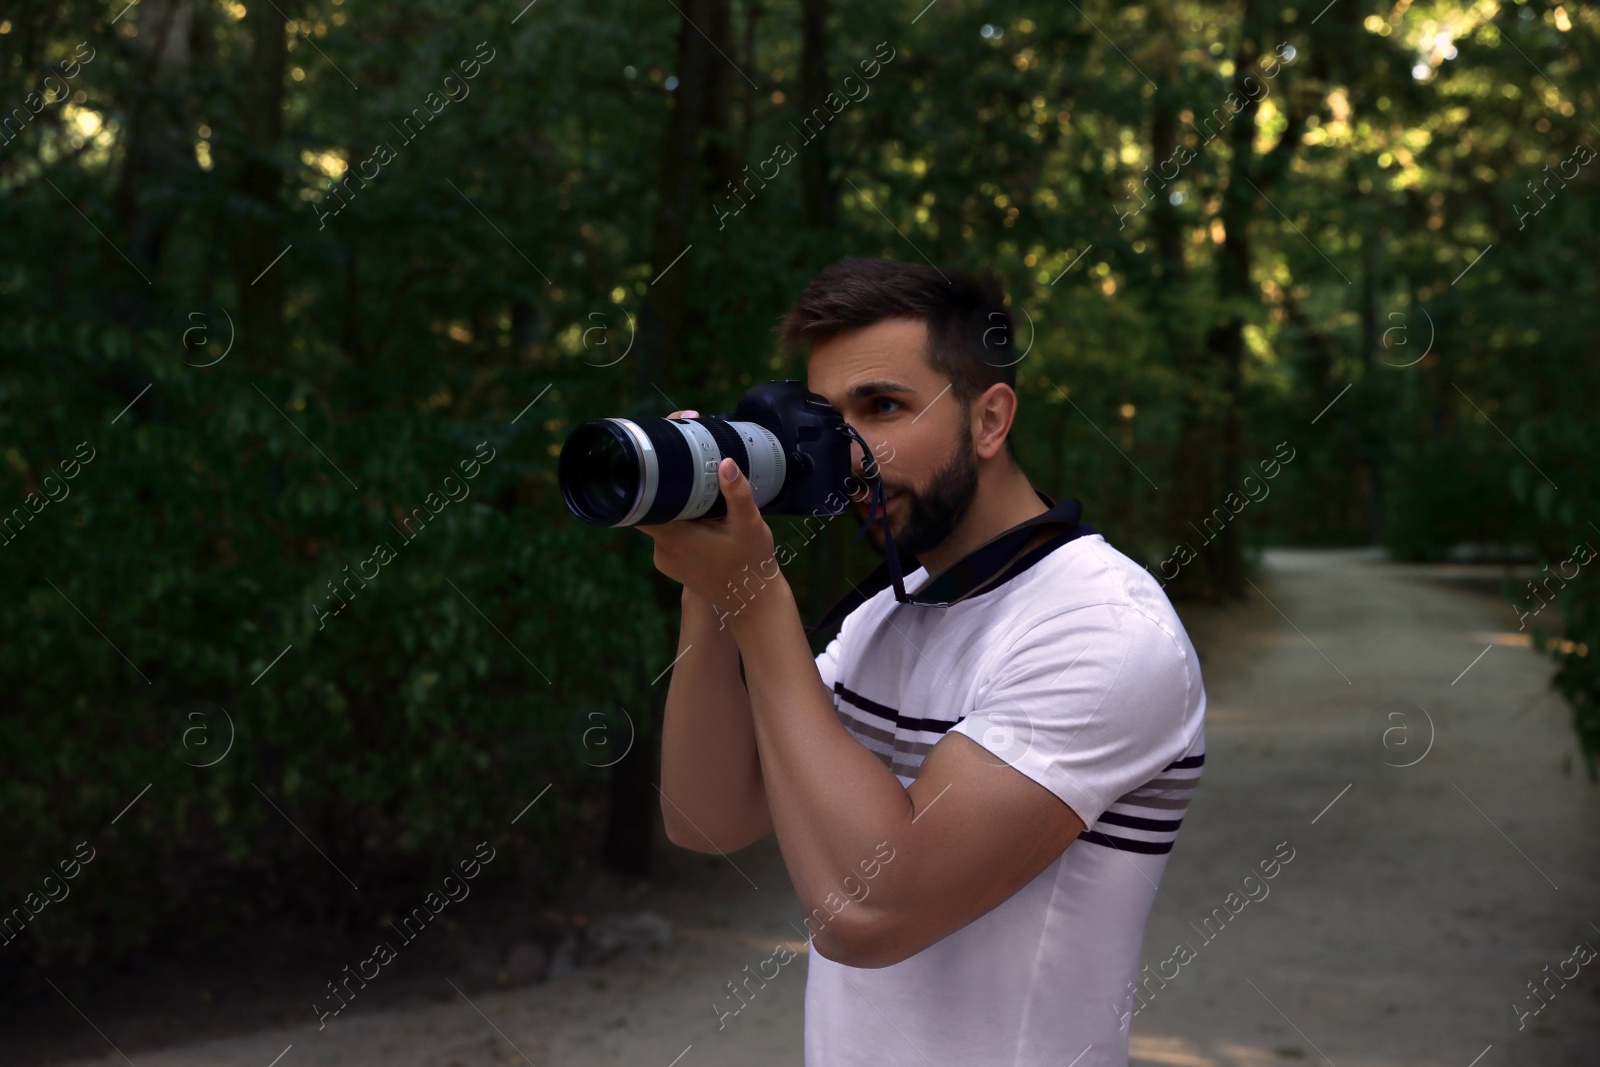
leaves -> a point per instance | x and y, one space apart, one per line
457 290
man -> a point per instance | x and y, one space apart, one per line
974 792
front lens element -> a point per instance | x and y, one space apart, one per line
600 472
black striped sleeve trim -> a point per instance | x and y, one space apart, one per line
1182 764
1134 822
1122 844
937 726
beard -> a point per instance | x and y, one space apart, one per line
933 512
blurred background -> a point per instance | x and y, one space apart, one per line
276 273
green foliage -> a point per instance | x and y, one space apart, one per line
200 541
1441 491
1562 499
509 251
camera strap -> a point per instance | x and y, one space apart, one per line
990 564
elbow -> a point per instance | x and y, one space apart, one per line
680 827
685 834
716 828
690 840
679 832
864 939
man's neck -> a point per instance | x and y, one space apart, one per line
1003 500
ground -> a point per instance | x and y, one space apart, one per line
1419 901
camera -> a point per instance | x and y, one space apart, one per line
791 443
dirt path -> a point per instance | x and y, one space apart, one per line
1406 925
1418 902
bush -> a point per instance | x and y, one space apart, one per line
193 558
1567 538
1441 491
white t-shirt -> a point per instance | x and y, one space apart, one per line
1077 673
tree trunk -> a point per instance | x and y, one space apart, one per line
259 223
721 157
748 93
819 197
158 158
1219 566
1367 454
690 151
817 188
1234 289
1195 488
661 318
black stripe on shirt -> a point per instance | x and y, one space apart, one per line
1182 764
1134 822
907 722
1122 844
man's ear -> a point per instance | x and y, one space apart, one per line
992 415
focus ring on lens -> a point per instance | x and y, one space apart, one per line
676 465
728 442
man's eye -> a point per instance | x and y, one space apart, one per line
884 400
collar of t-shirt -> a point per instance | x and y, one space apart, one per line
992 563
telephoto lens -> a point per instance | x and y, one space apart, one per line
623 472
790 442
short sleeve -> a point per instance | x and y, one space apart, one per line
831 659
828 663
1090 703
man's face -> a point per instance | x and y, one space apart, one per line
878 377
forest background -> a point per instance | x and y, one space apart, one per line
273 274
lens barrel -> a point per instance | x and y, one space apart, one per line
626 472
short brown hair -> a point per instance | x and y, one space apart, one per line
969 324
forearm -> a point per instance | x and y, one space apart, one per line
711 780
832 801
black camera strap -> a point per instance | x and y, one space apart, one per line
990 564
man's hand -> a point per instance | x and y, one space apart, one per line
728 559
